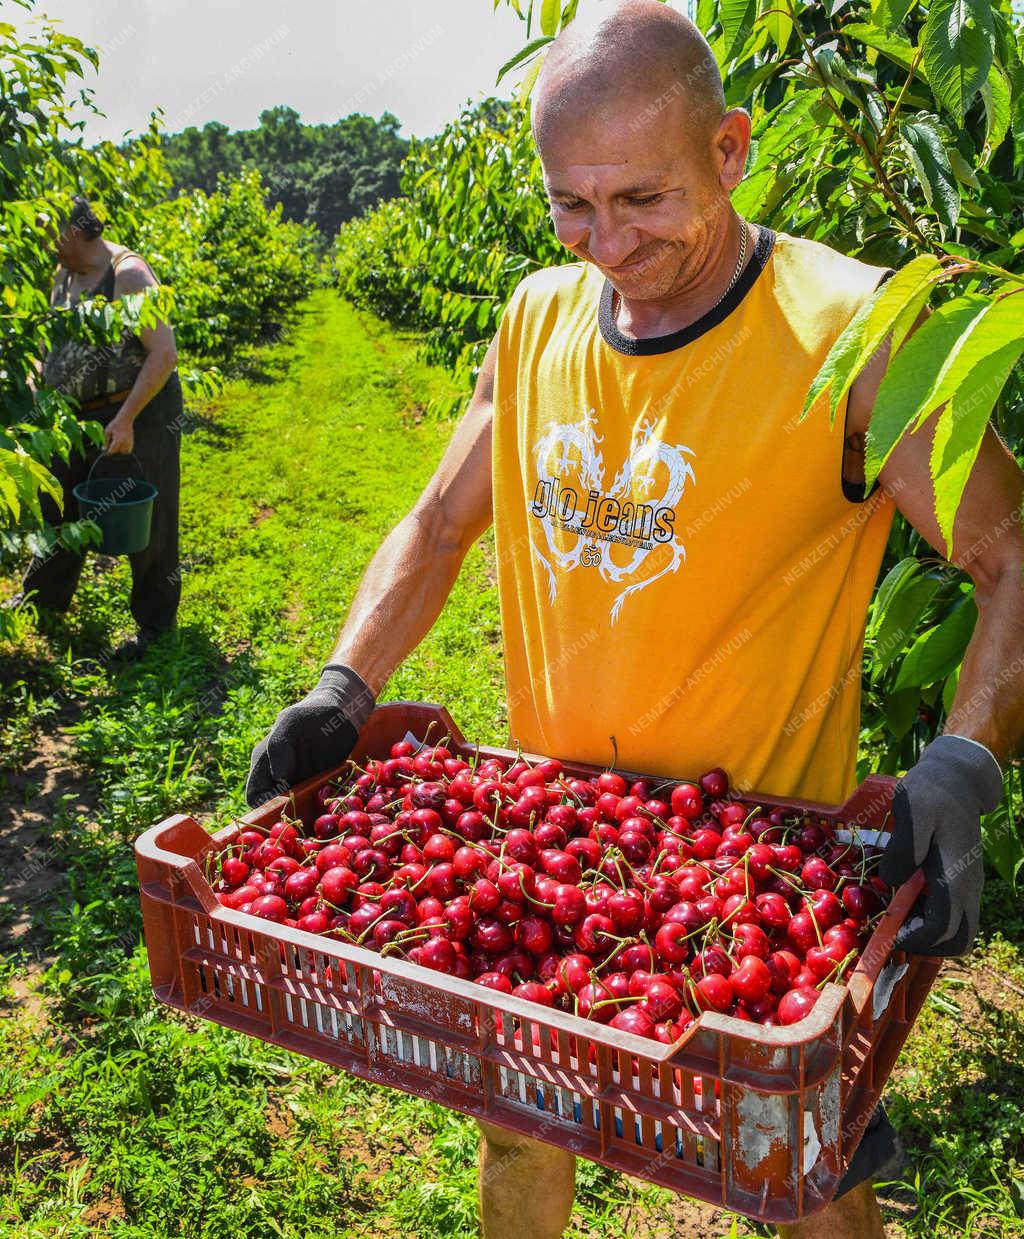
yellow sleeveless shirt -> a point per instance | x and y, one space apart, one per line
678 564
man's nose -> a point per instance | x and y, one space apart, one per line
608 243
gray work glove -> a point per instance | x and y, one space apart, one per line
937 808
315 734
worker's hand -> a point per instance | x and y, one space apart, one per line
937 808
314 734
118 435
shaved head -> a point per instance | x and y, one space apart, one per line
632 58
639 156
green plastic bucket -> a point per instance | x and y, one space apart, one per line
121 506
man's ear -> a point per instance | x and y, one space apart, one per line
732 142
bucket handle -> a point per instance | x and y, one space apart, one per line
110 456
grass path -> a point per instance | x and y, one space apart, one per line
118 1119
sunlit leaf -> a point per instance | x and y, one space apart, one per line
958 40
936 652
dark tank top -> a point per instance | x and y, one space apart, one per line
83 371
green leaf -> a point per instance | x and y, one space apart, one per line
910 377
995 94
999 322
550 10
524 53
9 497
962 170
1004 848
949 688
896 579
898 50
901 618
923 143
889 13
936 652
528 79
737 19
784 127
958 41
961 428
892 308
901 711
777 22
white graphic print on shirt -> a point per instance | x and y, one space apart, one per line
582 507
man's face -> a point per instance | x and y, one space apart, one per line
640 191
66 245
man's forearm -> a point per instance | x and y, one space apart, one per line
400 596
149 380
989 701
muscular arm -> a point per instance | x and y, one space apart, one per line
133 276
413 571
988 543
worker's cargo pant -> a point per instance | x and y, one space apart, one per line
156 574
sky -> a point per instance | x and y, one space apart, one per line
222 60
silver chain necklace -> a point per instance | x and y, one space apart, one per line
616 300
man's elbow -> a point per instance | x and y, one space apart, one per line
445 536
996 575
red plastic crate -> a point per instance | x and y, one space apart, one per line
762 1121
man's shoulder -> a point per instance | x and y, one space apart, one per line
566 280
131 271
813 264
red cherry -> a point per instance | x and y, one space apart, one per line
773 910
234 871
687 801
803 931
752 979
594 934
609 781
671 942
817 876
715 783
626 909
561 865
796 1004
714 992
633 1020
533 991
587 851
533 934
484 896
270 907
827 909
438 954
663 1001
569 906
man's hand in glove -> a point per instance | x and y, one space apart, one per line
314 734
937 808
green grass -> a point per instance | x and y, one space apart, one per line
119 1118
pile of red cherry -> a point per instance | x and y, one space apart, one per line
634 905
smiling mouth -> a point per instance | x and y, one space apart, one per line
627 267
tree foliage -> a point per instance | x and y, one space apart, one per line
473 221
322 175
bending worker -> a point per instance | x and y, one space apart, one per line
133 390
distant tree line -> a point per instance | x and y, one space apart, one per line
321 175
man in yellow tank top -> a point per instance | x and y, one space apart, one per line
682 564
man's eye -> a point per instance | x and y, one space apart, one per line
647 201
573 205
